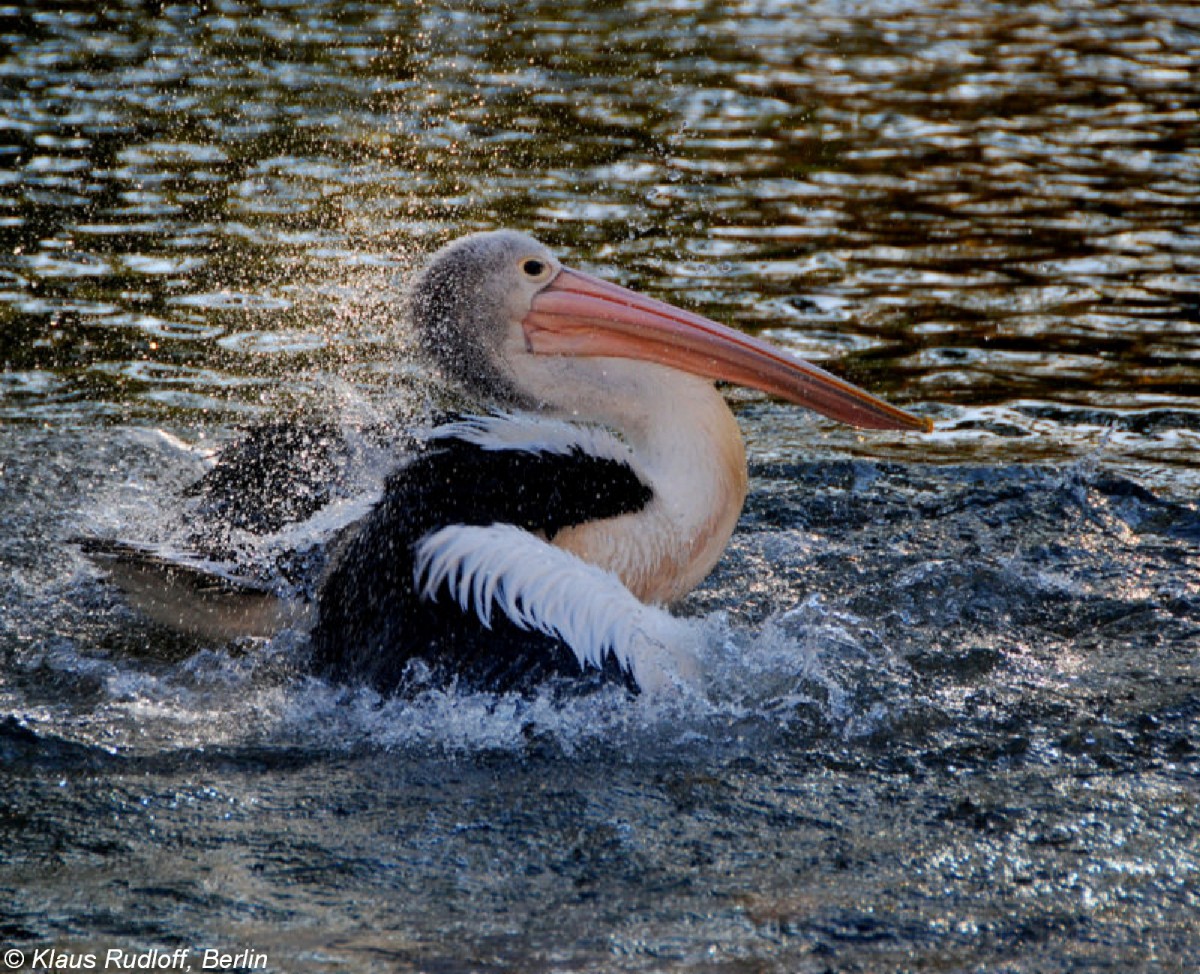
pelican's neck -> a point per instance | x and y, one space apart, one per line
685 443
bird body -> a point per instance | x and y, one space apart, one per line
471 582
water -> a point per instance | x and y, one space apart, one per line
952 702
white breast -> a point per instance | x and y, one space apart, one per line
690 451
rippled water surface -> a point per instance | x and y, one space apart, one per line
953 686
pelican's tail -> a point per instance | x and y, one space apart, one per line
192 595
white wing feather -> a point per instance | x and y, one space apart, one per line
543 588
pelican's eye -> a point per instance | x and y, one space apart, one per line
535 268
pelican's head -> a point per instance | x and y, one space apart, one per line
499 313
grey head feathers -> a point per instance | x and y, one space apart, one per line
461 306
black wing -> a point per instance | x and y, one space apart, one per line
372 626
283 471
275 473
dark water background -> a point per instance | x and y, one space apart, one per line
954 688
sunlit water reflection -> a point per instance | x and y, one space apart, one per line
950 719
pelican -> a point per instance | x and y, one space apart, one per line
546 536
